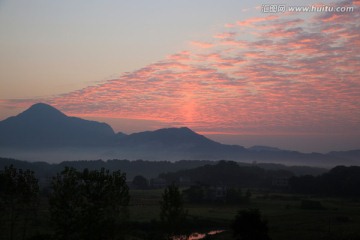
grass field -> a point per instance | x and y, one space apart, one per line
337 219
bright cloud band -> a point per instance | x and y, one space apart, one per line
277 73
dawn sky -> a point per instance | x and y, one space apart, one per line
223 68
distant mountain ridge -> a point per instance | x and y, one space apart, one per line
44 133
181 142
168 137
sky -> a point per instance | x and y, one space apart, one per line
225 69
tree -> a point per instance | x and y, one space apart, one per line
140 182
173 214
340 181
249 225
89 204
305 184
19 199
64 203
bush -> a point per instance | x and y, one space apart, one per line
249 225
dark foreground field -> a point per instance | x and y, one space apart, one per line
99 205
287 218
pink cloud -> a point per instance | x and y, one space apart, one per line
181 56
252 21
225 35
284 33
295 76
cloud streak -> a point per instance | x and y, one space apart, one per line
293 76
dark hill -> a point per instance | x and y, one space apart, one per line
43 126
168 137
176 143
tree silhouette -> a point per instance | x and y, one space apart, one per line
249 225
340 181
173 214
140 182
19 199
89 204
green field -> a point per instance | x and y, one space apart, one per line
338 218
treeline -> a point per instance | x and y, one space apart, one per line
340 181
148 169
229 174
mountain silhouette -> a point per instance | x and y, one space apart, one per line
178 143
168 137
44 126
44 133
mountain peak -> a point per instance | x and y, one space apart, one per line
41 106
167 137
43 126
186 129
41 110
174 130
